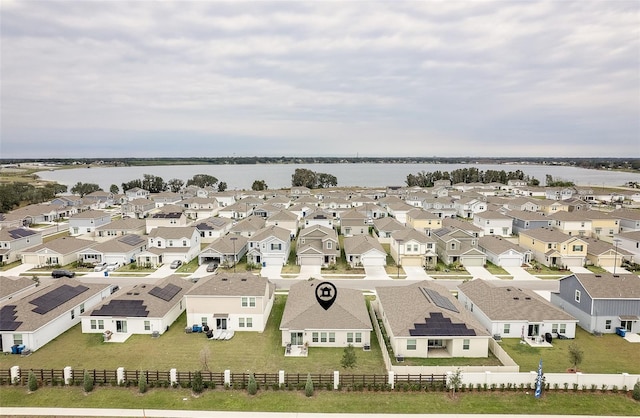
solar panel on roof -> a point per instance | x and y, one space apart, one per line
20 233
438 325
439 300
132 239
122 307
167 293
51 300
8 315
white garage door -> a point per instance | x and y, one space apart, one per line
372 261
472 261
311 261
511 262
271 261
411 262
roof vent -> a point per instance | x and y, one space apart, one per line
527 298
597 275
516 298
616 275
129 293
224 279
508 289
243 280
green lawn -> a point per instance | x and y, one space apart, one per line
496 270
453 361
322 401
247 351
606 354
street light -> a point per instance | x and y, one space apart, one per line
399 259
615 255
233 240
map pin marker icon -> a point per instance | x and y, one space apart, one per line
326 293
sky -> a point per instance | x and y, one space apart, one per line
92 79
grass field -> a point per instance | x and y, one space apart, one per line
247 351
606 354
511 403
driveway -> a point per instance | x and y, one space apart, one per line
271 272
619 270
22 268
416 273
163 271
580 269
519 273
310 271
375 273
480 273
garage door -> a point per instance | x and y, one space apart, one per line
373 261
412 262
311 261
271 261
472 261
511 262
573 262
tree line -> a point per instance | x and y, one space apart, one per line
468 175
15 194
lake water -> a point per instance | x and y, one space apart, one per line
278 176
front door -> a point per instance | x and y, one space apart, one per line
534 330
296 338
121 326
626 325
221 323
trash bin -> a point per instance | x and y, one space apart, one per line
264 264
106 274
622 332
20 348
14 349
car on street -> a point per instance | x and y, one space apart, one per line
175 264
211 267
56 274
100 267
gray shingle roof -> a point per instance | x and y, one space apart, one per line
302 311
360 244
511 303
9 286
232 284
606 286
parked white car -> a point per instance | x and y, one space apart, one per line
100 267
112 266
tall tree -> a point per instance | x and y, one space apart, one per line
84 189
259 185
222 186
326 180
303 177
202 180
114 189
153 184
175 185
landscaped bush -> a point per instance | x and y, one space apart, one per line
142 383
196 384
636 391
87 382
308 387
33 381
252 386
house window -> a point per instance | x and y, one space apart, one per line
170 243
17 339
100 324
358 337
82 308
554 328
329 245
611 232
435 344
465 344
505 231
411 344
563 328
471 307
314 337
453 245
349 337
249 322
248 301
415 247
491 231
73 313
184 243
147 325
332 337
93 324
577 296
598 231
323 337
506 328
241 322
277 247
607 324
549 246
577 248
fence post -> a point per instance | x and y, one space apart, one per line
392 379
15 375
173 377
281 378
120 375
336 379
67 374
227 377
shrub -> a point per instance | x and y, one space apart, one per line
308 387
196 384
32 382
87 382
142 383
252 387
349 358
636 391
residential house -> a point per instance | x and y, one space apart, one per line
37 318
137 208
165 198
120 227
467 207
169 216
554 248
59 252
105 198
630 241
226 198
306 322
200 207
15 288
399 210
136 193
511 312
14 240
281 201
522 204
269 246
494 223
238 302
523 220
213 228
503 252
458 246
629 219
352 223
364 250
297 192
604 254
371 211
549 207
604 225
266 210
168 244
284 219
441 206
121 250
236 211
225 251
318 217
424 320
385 227
87 222
456 223
559 193
41 213
248 226
410 247
601 302
318 246
423 220
141 309
571 223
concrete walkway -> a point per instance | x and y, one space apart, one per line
619 270
416 273
519 273
271 272
376 273
22 268
580 270
307 272
480 273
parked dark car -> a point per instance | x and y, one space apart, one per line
211 267
56 274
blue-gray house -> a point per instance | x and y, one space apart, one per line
601 302
523 220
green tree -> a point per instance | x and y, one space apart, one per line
308 387
326 180
114 189
222 186
84 189
142 382
32 382
259 185
576 355
175 185
202 180
131 185
154 184
349 358
636 391
87 382
303 177
455 381
252 386
197 385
